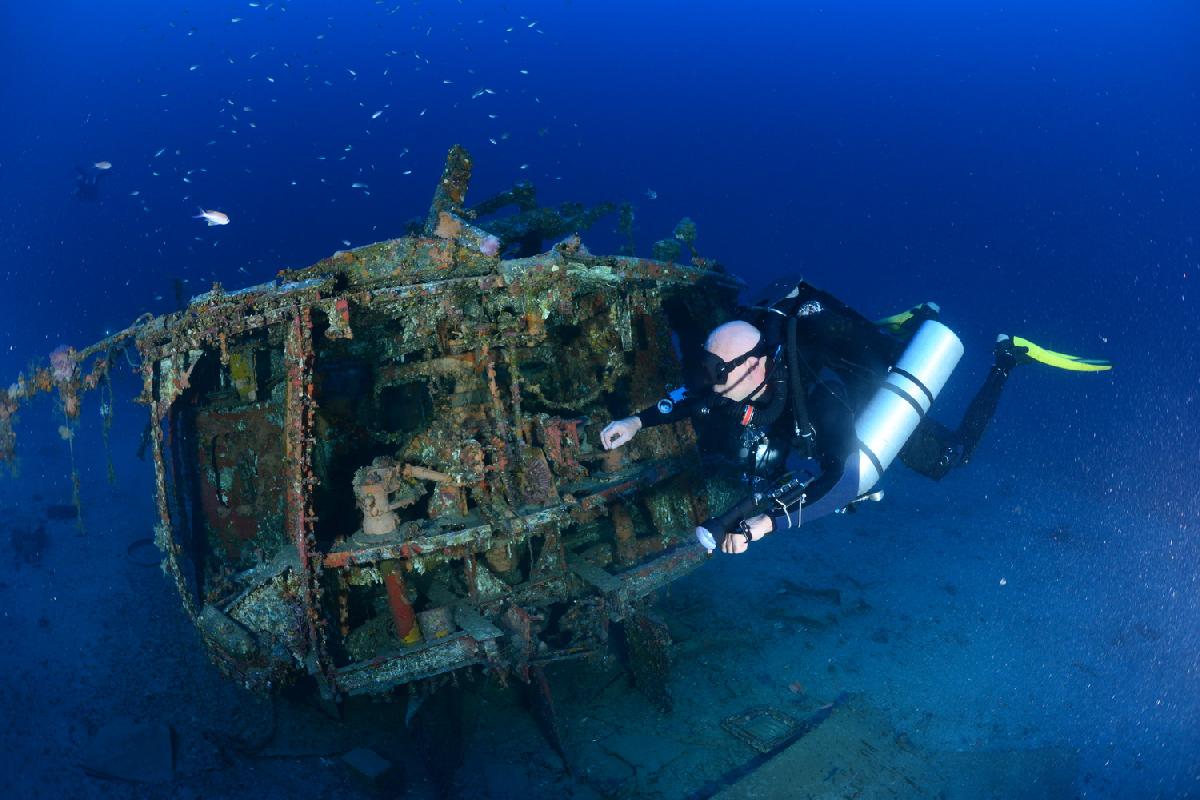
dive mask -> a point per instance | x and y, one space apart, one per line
716 371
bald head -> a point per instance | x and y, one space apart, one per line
732 339
728 342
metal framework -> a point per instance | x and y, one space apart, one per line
385 468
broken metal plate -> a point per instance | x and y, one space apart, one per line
762 727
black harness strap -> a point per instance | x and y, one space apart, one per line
799 405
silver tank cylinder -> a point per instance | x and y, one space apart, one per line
909 389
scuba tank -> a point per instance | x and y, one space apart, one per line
902 401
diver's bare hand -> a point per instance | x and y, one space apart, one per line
619 432
736 542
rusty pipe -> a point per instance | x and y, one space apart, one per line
402 610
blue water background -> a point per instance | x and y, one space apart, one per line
1030 166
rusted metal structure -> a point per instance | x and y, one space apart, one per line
385 468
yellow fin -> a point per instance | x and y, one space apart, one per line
1061 360
895 321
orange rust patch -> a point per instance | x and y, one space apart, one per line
448 227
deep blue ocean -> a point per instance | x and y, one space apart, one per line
1031 166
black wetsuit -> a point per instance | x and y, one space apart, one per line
841 358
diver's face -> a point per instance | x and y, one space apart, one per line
744 380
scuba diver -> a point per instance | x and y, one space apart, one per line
87 180
811 401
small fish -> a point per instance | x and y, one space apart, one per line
523 71
103 165
213 217
358 185
193 67
377 114
523 166
408 172
346 242
650 193
161 150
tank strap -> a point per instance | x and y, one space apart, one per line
906 398
870 454
917 381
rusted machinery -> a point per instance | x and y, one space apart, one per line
385 468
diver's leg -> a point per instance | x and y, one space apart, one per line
979 413
932 450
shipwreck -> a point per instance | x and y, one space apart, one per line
385 468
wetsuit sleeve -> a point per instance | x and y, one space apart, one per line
818 491
830 491
678 406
